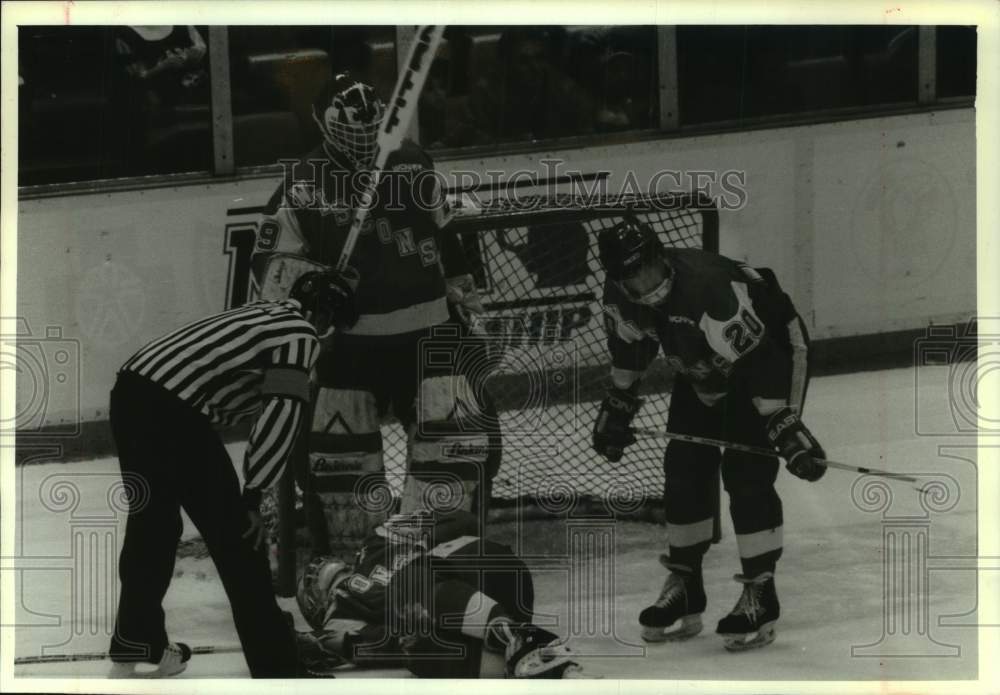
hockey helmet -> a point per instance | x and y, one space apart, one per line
631 249
349 114
316 593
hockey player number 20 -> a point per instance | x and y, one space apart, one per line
744 333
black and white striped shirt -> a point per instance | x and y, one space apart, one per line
250 361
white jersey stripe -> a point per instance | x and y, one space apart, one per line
800 355
155 350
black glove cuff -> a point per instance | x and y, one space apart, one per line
251 498
623 401
788 434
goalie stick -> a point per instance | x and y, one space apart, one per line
760 451
397 120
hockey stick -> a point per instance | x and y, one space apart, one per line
395 123
100 656
760 451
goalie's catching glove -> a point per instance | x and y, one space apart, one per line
464 299
612 430
796 444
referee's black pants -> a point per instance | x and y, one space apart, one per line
171 457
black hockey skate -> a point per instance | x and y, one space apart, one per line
532 652
752 621
676 614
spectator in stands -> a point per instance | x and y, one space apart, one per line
168 63
163 82
612 63
528 97
622 105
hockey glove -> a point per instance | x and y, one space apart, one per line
796 444
464 298
341 298
612 430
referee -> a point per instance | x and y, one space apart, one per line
166 405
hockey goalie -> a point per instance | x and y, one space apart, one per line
427 593
416 300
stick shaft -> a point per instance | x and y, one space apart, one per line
761 451
100 656
397 119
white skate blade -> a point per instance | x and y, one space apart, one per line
576 672
685 628
130 670
751 640
122 669
541 662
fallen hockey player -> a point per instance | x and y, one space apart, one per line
427 594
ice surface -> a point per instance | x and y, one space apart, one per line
839 562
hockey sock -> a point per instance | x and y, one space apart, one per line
755 566
479 612
687 558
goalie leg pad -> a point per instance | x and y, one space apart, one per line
346 466
448 448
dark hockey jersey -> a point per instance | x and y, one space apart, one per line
393 547
402 255
722 321
415 575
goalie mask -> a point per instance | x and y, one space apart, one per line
349 114
633 258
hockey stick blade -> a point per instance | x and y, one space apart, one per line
760 451
100 656
397 119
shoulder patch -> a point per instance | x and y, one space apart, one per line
359 584
302 194
380 575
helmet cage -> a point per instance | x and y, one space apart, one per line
658 294
350 123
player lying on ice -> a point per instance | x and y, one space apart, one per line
426 593
739 350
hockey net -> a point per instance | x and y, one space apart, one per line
536 267
535 262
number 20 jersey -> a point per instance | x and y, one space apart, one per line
723 321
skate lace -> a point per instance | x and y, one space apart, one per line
749 603
672 589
